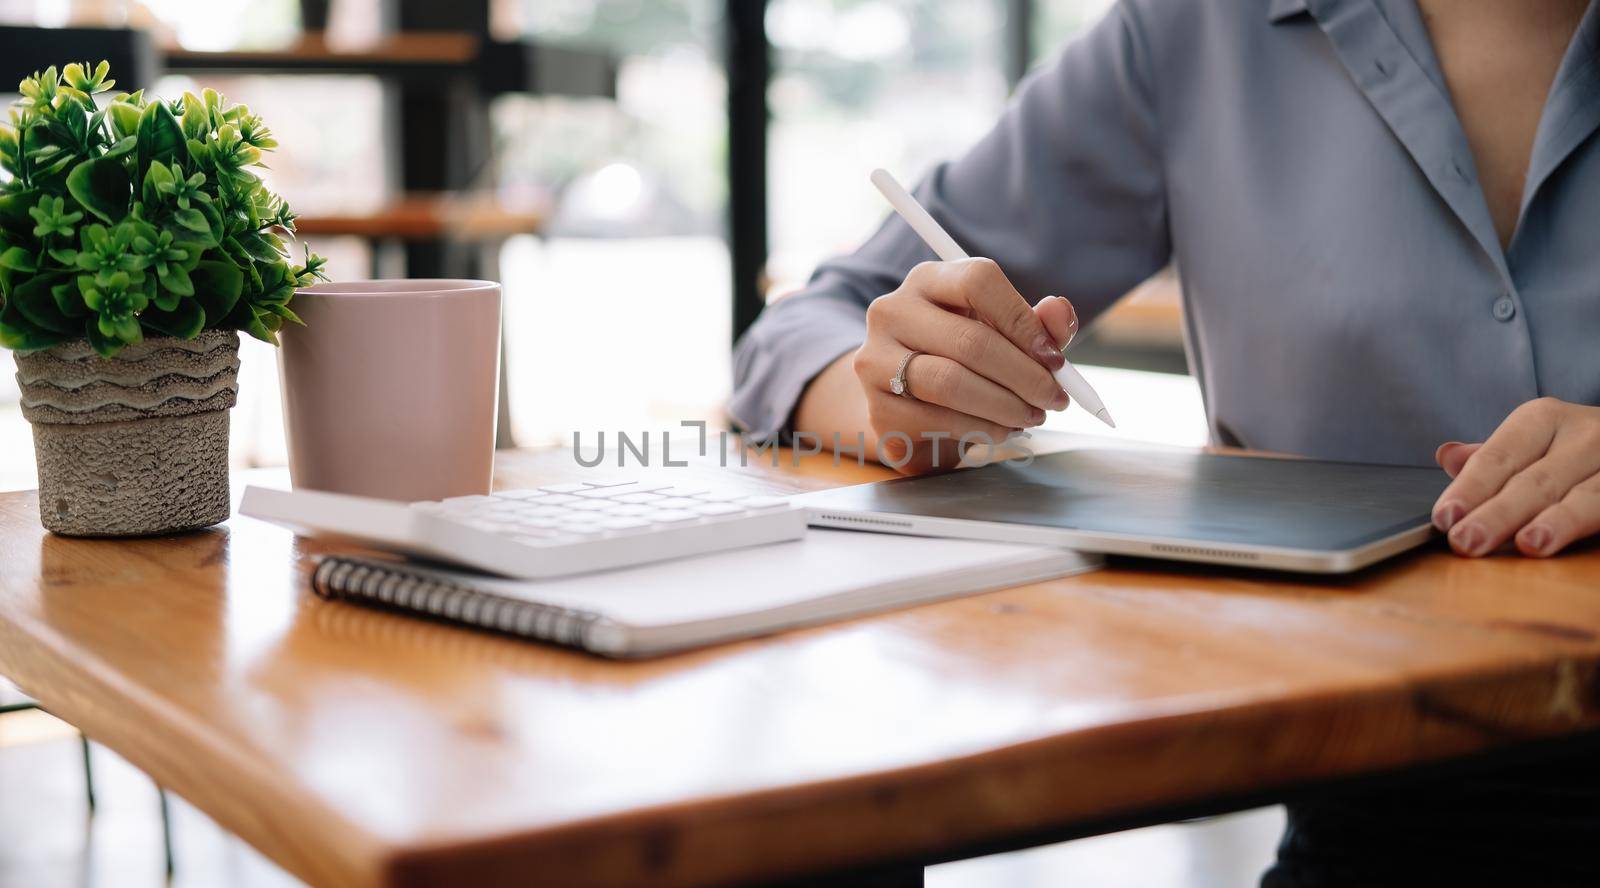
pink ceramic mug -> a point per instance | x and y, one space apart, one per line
389 389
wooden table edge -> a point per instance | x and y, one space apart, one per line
738 838
355 856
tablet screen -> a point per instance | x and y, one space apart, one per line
1257 501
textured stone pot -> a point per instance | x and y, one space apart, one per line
136 444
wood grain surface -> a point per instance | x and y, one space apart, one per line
363 748
424 216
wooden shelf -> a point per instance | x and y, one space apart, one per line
423 56
411 52
422 217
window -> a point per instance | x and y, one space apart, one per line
619 317
860 84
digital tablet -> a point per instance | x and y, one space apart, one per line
1284 514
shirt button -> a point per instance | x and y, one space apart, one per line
1504 309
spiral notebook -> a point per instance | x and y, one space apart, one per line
690 602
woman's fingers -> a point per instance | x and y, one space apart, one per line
983 361
1526 494
1453 455
915 436
978 347
1519 441
1517 483
979 287
1575 517
944 382
1059 318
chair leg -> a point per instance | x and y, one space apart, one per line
88 773
88 768
166 830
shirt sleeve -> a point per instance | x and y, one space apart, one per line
1066 193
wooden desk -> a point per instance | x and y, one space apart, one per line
363 748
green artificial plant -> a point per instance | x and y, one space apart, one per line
138 218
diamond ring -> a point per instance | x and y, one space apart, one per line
898 384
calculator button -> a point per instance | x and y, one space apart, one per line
589 506
557 499
624 523
715 509
640 498
626 509
720 497
500 508
675 502
563 488
464 502
671 516
762 502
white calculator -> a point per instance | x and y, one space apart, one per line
548 531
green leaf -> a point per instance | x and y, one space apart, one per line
19 334
213 218
104 345
195 120
282 310
68 300
102 186
258 328
92 296
37 303
192 219
18 259
217 286
49 172
122 146
257 246
160 136
124 119
158 174
176 279
8 144
185 321
14 218
128 330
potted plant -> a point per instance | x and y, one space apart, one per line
134 242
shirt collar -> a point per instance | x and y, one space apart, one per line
1279 10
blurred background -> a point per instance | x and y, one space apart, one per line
643 176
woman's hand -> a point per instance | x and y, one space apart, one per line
985 366
1536 479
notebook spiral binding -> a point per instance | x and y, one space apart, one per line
399 589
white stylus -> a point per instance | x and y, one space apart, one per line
946 248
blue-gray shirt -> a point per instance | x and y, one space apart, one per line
1345 292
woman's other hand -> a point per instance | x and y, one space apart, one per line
1535 481
985 365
